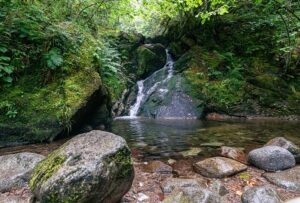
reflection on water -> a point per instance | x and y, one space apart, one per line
166 138
153 139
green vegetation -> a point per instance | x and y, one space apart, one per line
237 56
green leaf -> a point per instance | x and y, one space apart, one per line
7 79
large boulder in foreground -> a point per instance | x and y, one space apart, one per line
16 169
91 167
219 167
288 179
271 158
261 194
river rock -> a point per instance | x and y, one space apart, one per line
261 195
234 153
189 190
158 167
5 198
15 169
219 167
284 143
271 158
288 179
91 167
194 151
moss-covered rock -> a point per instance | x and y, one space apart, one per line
91 167
33 113
150 58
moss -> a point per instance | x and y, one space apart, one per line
46 168
123 160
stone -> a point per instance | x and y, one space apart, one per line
169 185
188 191
271 158
219 167
284 143
296 200
15 169
261 194
234 153
191 152
297 158
288 179
91 167
158 167
16 198
212 144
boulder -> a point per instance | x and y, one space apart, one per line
284 143
150 58
158 167
233 153
91 167
288 179
15 169
261 194
219 167
271 158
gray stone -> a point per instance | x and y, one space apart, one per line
4 198
284 143
189 191
219 167
91 167
271 158
158 167
288 179
15 169
261 195
296 200
234 153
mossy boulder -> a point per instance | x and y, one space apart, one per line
150 58
31 112
91 167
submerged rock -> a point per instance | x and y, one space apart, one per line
234 153
284 143
219 167
271 158
91 167
15 169
261 195
288 179
191 152
212 144
158 167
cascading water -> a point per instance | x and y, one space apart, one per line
149 85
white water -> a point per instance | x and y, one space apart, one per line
143 93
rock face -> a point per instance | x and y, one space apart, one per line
233 153
288 179
15 169
284 143
261 194
190 191
91 167
219 167
150 58
271 158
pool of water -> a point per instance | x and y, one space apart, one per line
163 139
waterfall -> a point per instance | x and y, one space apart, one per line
149 85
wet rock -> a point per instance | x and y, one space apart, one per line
288 179
191 152
284 143
212 144
271 158
15 169
219 167
261 194
91 167
234 153
158 167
